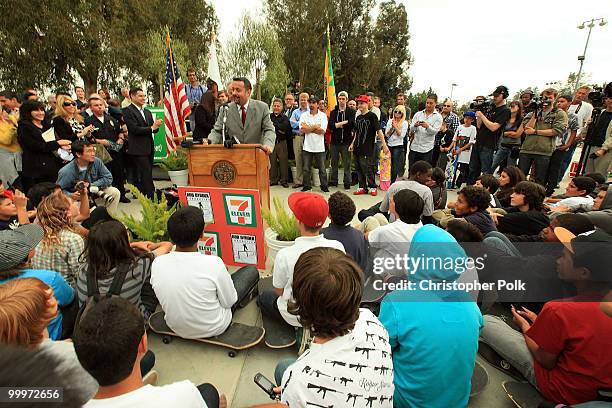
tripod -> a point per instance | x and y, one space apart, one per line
588 140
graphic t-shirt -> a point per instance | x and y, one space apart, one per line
487 138
463 136
366 127
354 370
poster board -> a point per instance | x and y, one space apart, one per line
234 226
159 138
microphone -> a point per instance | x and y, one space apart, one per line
228 141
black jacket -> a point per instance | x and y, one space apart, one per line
343 135
282 126
522 223
63 130
140 138
109 129
204 122
38 157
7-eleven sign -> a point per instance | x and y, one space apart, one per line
239 210
209 244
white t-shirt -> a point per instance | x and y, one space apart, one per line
464 135
196 292
354 370
575 203
182 394
584 114
395 139
285 260
314 142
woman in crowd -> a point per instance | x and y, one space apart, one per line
18 248
39 162
68 123
204 116
508 178
438 188
10 151
107 253
104 94
61 245
525 215
510 143
395 133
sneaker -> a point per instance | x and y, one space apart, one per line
361 191
298 185
285 185
306 188
150 378
325 189
374 193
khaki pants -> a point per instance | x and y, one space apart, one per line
298 144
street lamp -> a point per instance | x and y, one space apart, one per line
589 23
452 89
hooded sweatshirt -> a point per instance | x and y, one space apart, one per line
433 334
602 218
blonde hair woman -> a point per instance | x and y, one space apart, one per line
61 245
68 123
396 131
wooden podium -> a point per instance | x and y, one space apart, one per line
242 166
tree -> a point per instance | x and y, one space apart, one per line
256 49
414 101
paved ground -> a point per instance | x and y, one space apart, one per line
200 362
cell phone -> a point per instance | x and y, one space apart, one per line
266 385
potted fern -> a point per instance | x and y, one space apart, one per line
176 166
152 225
283 228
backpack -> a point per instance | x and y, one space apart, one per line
93 291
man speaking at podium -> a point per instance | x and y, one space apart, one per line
245 120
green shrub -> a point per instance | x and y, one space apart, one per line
153 224
282 222
175 161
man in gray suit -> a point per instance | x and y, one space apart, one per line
248 121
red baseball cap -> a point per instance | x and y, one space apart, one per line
309 208
362 98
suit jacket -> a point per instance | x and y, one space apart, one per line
109 129
257 129
140 135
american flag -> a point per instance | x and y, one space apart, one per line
176 105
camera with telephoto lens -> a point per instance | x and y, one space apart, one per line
538 103
483 105
95 192
596 97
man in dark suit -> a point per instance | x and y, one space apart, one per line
141 128
248 120
108 133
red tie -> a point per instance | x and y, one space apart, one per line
243 115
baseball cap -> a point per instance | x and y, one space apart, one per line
343 93
16 244
527 91
500 90
309 208
470 114
591 250
362 98
313 99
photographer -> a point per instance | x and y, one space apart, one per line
600 158
88 172
541 127
490 122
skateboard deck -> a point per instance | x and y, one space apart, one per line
237 337
480 379
523 394
370 294
278 334
497 361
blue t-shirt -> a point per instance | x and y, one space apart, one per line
64 294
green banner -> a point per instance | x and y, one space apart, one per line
159 140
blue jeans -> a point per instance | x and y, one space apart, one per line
398 155
281 367
503 154
540 162
245 281
480 162
566 162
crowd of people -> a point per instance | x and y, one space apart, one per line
73 285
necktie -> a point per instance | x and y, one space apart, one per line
143 114
243 115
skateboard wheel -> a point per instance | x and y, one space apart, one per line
232 353
166 340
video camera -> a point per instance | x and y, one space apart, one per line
597 95
483 105
95 192
538 103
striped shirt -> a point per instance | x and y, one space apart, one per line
63 258
131 290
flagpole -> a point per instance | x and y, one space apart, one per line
181 118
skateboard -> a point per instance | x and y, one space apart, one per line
523 394
497 361
480 379
237 337
278 334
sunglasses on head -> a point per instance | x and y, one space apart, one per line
69 103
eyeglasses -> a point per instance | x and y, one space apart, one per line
69 103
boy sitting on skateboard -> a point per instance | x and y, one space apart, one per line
562 350
311 211
195 290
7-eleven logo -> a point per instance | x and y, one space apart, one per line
208 245
240 210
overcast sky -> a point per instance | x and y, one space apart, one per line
479 44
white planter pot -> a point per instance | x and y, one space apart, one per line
179 177
274 245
